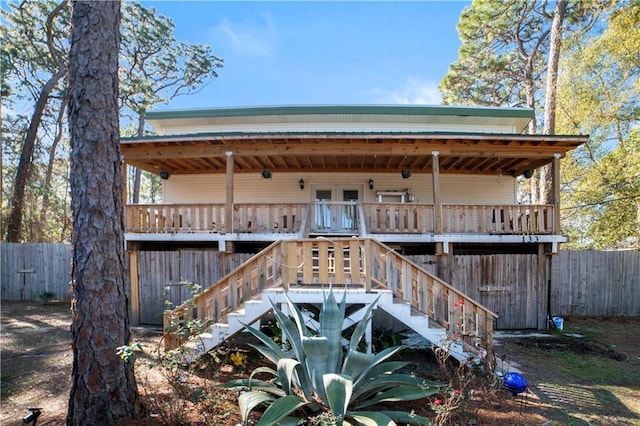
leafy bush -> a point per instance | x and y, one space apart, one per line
318 378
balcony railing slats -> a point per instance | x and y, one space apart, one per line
349 218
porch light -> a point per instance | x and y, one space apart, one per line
266 174
370 183
301 182
164 175
406 173
528 173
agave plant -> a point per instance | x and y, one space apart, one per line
317 375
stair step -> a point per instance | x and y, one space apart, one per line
252 310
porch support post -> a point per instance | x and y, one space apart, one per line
228 217
125 199
134 306
555 195
437 207
542 289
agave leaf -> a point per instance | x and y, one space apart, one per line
290 330
386 381
257 385
263 369
356 362
398 393
361 327
407 418
298 318
270 350
377 359
331 321
250 400
290 371
280 409
286 368
371 418
338 389
386 368
288 421
316 350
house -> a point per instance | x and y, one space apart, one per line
324 183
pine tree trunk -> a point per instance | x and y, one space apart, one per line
551 93
23 173
103 387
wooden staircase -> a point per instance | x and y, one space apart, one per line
366 269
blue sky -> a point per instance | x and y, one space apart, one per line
318 53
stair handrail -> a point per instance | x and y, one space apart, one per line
228 293
372 264
434 297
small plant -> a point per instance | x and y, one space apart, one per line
316 378
183 326
127 352
239 359
463 379
47 296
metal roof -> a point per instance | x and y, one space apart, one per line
515 118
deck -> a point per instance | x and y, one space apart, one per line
387 222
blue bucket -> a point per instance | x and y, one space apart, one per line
558 322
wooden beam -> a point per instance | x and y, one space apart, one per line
135 288
437 203
228 220
455 148
555 169
125 197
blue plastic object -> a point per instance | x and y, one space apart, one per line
515 383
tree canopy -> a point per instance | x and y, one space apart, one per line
154 68
503 61
599 95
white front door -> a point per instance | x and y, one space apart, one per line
336 207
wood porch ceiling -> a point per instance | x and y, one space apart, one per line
492 154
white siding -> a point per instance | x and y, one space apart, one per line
284 187
332 127
477 189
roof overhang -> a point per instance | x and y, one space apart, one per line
470 153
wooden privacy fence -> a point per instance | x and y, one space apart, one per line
596 283
585 283
31 269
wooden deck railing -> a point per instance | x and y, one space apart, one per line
362 263
160 218
343 217
269 218
498 219
402 218
334 217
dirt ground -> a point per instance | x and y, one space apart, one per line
36 367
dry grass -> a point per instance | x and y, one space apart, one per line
36 368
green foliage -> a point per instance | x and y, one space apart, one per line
155 67
600 95
127 352
318 376
46 296
185 326
501 59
